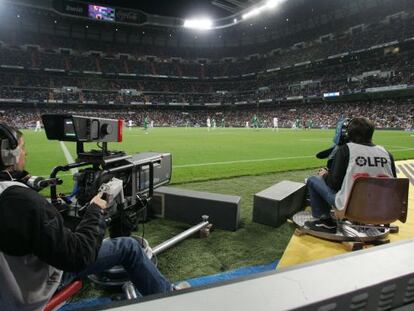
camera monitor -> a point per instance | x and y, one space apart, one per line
82 129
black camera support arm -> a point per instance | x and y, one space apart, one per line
62 168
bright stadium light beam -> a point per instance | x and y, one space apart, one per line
200 23
252 13
270 4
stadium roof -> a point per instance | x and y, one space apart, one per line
184 8
291 22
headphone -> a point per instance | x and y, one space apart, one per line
10 149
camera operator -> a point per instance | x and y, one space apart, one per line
35 245
331 188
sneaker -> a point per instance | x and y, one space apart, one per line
181 285
327 225
349 230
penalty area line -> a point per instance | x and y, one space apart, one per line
68 157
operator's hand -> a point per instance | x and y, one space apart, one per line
322 172
97 199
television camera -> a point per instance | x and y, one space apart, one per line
341 137
126 181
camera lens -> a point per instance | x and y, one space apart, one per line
106 129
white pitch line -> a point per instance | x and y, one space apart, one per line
398 148
319 140
68 157
260 160
241 161
406 149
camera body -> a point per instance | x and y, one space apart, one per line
341 132
341 137
138 174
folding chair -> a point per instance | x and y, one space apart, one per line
373 204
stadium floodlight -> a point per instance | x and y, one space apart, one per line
200 24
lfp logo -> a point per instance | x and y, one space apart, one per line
371 161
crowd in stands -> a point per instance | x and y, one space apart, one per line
52 57
387 115
376 32
346 76
80 76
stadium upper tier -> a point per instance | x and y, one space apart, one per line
39 51
388 68
294 23
367 59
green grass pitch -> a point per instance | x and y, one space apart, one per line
230 161
199 154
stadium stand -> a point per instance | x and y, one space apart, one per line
385 114
357 65
311 63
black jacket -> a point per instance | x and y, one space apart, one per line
337 173
29 224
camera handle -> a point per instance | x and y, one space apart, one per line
53 174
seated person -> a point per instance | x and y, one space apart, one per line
36 247
330 188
